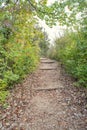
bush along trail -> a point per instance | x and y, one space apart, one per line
71 50
46 100
19 50
43 94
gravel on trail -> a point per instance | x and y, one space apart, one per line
46 100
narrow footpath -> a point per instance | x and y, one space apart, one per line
46 100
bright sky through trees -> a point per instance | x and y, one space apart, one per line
55 31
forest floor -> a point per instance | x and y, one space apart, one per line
46 100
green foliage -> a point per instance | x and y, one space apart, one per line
3 96
71 50
3 85
51 53
10 77
63 11
19 49
21 41
44 45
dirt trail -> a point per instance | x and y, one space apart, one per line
46 100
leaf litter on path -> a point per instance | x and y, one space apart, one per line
63 108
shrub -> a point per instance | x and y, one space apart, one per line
71 50
19 52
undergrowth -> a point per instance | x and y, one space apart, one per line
19 49
71 50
